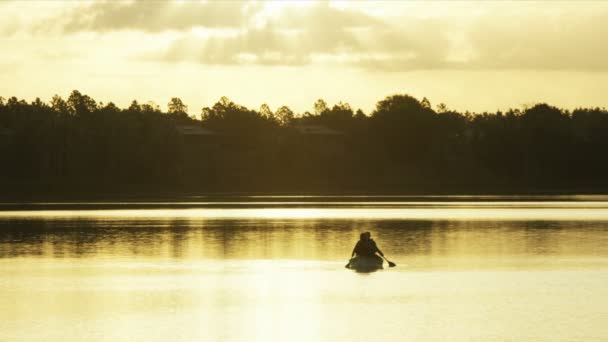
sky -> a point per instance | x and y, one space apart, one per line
476 56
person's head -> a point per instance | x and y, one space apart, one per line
368 235
365 236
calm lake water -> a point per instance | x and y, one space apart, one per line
272 268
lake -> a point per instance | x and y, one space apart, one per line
262 268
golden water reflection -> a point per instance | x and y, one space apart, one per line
299 239
156 275
385 210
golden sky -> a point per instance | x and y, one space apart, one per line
470 55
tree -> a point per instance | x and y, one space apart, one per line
177 107
135 107
402 142
400 106
38 103
425 103
320 106
111 107
284 115
338 117
406 126
150 107
231 118
59 105
80 104
266 112
442 108
360 115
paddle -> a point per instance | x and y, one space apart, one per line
390 263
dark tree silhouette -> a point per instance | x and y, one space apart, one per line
177 107
404 145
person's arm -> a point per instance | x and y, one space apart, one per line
378 249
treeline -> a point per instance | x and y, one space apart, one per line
404 145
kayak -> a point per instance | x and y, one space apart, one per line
365 263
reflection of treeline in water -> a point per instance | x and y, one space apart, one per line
403 145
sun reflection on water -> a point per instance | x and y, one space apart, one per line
277 273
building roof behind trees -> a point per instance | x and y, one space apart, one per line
316 130
192 130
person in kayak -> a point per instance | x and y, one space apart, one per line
366 246
366 259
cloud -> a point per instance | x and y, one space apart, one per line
258 46
503 36
562 42
320 33
156 15
388 36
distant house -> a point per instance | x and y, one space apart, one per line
321 140
194 135
193 131
317 130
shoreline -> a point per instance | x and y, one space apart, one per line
48 193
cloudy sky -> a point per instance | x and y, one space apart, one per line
470 55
